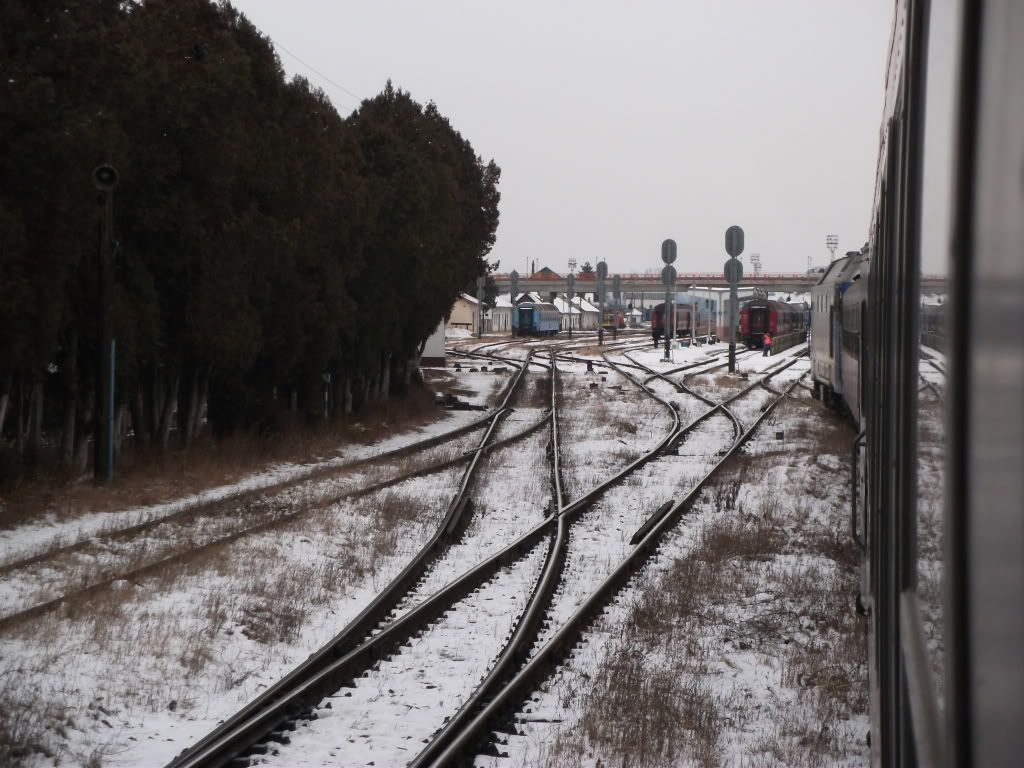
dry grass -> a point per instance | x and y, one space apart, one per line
766 590
151 479
165 643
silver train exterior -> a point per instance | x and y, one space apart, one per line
838 315
867 332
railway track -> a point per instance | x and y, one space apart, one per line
19 578
372 647
389 621
479 736
246 495
276 707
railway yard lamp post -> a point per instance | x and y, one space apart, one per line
602 273
570 286
831 242
105 179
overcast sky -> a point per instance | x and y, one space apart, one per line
619 124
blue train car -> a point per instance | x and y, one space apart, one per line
538 319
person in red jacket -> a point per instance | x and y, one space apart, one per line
766 345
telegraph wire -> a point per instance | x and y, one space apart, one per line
316 71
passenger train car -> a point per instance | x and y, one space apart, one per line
536 318
785 323
945 666
837 338
686 320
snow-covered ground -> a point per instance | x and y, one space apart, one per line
50 532
737 643
144 669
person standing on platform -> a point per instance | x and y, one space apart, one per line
766 345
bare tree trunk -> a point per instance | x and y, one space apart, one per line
35 422
156 404
6 387
167 417
83 434
188 418
20 424
204 396
366 390
385 375
67 439
119 424
5 398
139 422
348 396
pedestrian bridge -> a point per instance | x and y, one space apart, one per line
650 282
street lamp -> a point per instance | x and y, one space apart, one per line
104 178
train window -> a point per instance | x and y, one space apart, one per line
932 371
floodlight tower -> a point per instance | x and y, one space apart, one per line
832 242
755 262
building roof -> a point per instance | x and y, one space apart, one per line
470 299
584 305
563 306
544 273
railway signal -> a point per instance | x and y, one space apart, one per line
668 279
513 280
668 251
602 273
733 274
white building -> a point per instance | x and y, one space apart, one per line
570 314
498 319
590 316
465 314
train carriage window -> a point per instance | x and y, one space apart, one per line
930 317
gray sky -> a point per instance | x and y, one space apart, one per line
619 124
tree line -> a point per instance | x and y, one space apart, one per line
271 257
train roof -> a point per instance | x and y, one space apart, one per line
842 270
833 270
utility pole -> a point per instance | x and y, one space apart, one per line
105 179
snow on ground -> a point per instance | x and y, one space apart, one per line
737 642
605 422
50 532
137 675
509 502
389 714
140 673
53 577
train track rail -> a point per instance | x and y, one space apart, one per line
369 637
294 697
477 737
277 515
246 495
279 707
